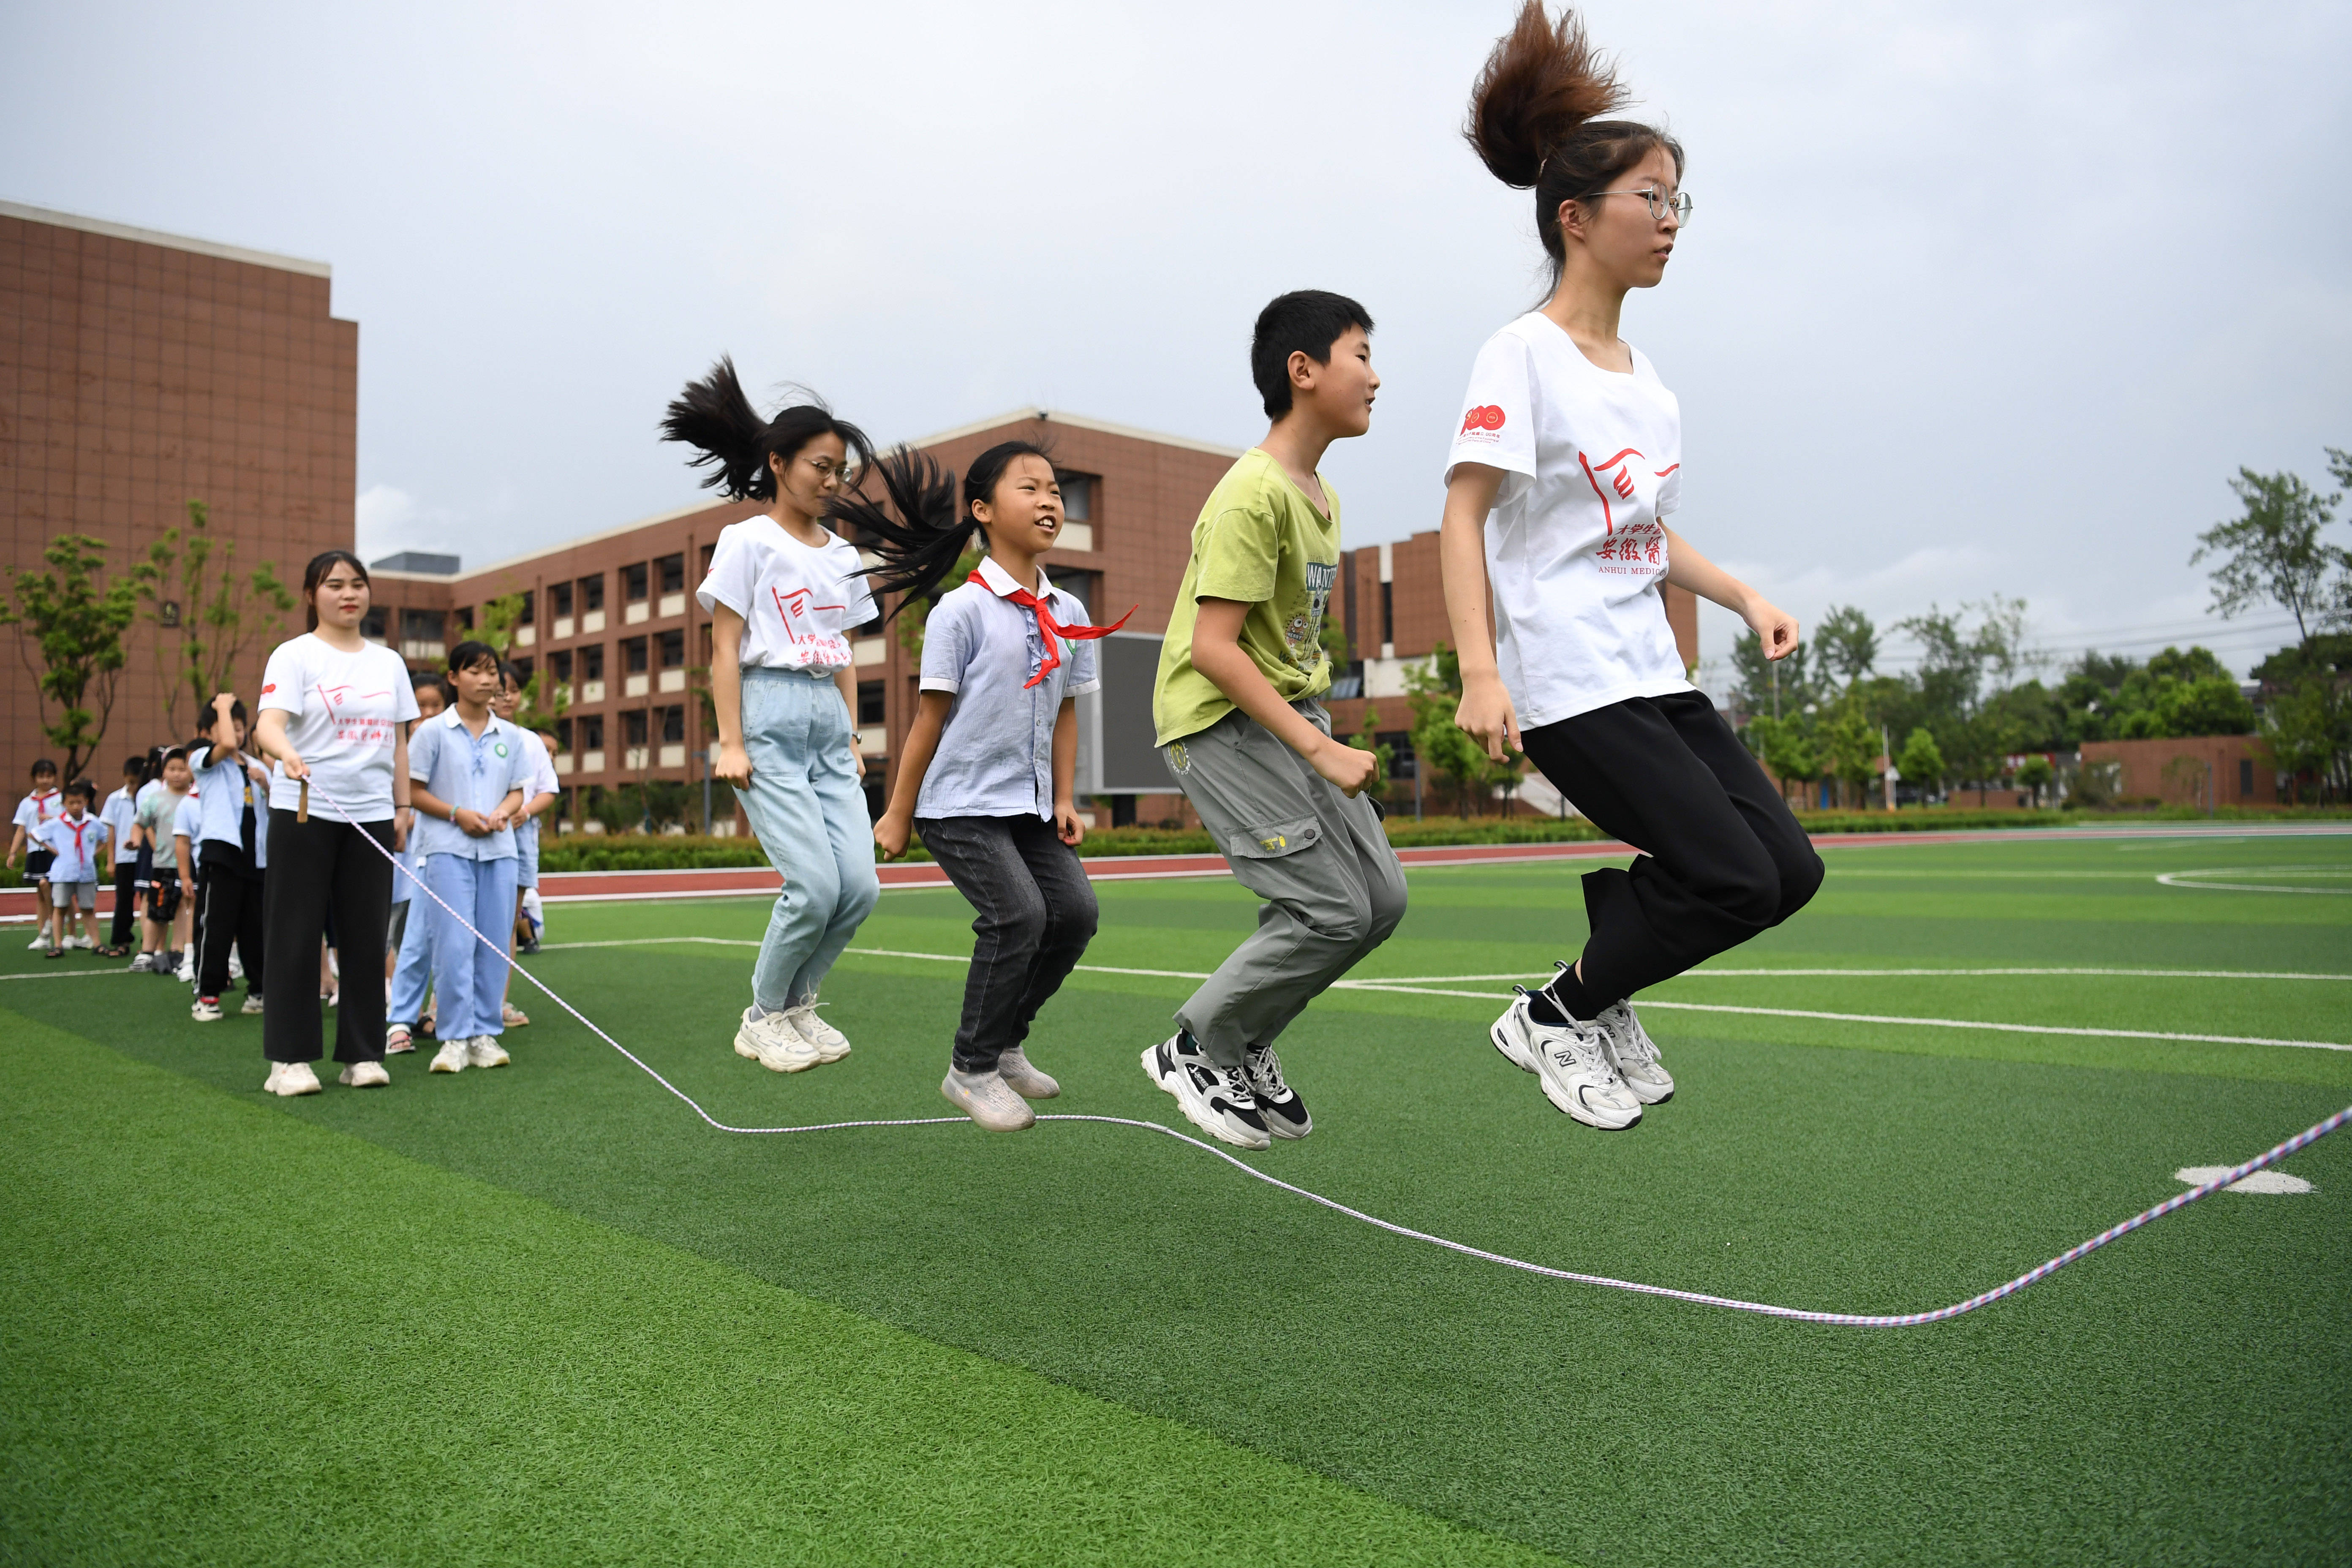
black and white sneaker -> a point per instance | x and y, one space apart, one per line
1215 1099
1278 1105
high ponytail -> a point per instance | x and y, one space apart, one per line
713 416
1535 120
921 544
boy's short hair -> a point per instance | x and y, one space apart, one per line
135 765
80 789
1307 321
470 654
43 765
176 754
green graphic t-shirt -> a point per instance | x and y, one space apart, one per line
1259 540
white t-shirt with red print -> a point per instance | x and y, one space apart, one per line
799 606
1576 546
345 712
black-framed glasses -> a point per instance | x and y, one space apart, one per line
1660 203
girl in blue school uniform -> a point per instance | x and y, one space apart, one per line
988 766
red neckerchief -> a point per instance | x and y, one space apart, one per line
77 824
1048 627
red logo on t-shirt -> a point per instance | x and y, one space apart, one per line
1486 416
269 688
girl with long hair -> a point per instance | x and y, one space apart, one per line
988 768
784 596
334 709
1566 462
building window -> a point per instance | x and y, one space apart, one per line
1077 496
591 731
421 635
632 728
592 591
673 574
591 662
529 607
673 726
633 583
371 625
559 599
633 656
673 649
870 703
1399 744
2245 778
559 664
563 734
1388 613
465 614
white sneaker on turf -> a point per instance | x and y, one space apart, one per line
484 1051
770 1040
987 1099
206 1010
450 1057
1278 1105
1215 1099
290 1079
1571 1062
186 974
38 944
142 963
364 1075
1024 1079
1634 1055
831 1044
252 1003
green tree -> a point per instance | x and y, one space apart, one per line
1434 686
1367 739
1847 643
2308 731
2035 774
1785 748
2273 552
74 621
1849 748
207 619
1774 687
499 617
1921 761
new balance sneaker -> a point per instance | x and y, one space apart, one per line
290 1079
397 1040
1024 1079
1215 1099
207 1010
450 1057
252 1003
1571 1062
987 1099
1634 1055
364 1075
831 1044
1278 1104
484 1051
770 1040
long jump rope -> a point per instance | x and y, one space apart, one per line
2309 1135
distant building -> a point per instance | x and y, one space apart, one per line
422 563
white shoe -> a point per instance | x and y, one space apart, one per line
1022 1080
1572 1061
76 942
142 965
186 974
290 1079
38 944
1634 1055
450 1057
831 1044
205 1010
364 1075
987 1099
235 965
770 1040
484 1051
1218 1101
252 1003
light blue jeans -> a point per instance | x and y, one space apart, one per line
809 811
412 973
469 979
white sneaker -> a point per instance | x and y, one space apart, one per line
1218 1101
76 942
143 963
450 1057
205 1010
290 1079
235 965
38 944
831 1044
987 1099
1634 1055
364 1075
186 974
770 1040
1021 1079
484 1051
252 1003
1571 1062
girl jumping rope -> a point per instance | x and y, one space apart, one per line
784 595
1566 463
990 762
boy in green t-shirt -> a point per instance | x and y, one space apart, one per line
1251 748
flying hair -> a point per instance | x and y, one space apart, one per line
929 531
730 439
1536 122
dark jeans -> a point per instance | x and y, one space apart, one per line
1036 916
320 869
1721 858
229 913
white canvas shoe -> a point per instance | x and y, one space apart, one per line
252 1007
450 1057
770 1040
364 1075
831 1044
1024 1079
1571 1062
1634 1055
484 1051
987 1099
290 1079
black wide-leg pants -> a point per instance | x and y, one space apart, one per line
315 867
1721 856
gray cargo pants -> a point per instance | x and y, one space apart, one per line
1332 887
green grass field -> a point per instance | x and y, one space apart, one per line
544 1315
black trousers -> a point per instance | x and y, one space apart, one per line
1721 858
1036 916
126 904
320 869
228 915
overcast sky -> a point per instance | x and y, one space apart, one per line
1976 298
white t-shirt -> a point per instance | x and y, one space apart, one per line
799 606
120 809
1576 546
36 809
346 710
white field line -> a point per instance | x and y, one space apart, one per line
2180 879
69 975
1759 973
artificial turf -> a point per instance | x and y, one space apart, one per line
561 1263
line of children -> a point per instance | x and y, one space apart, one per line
987 769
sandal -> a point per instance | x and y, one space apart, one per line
512 1017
